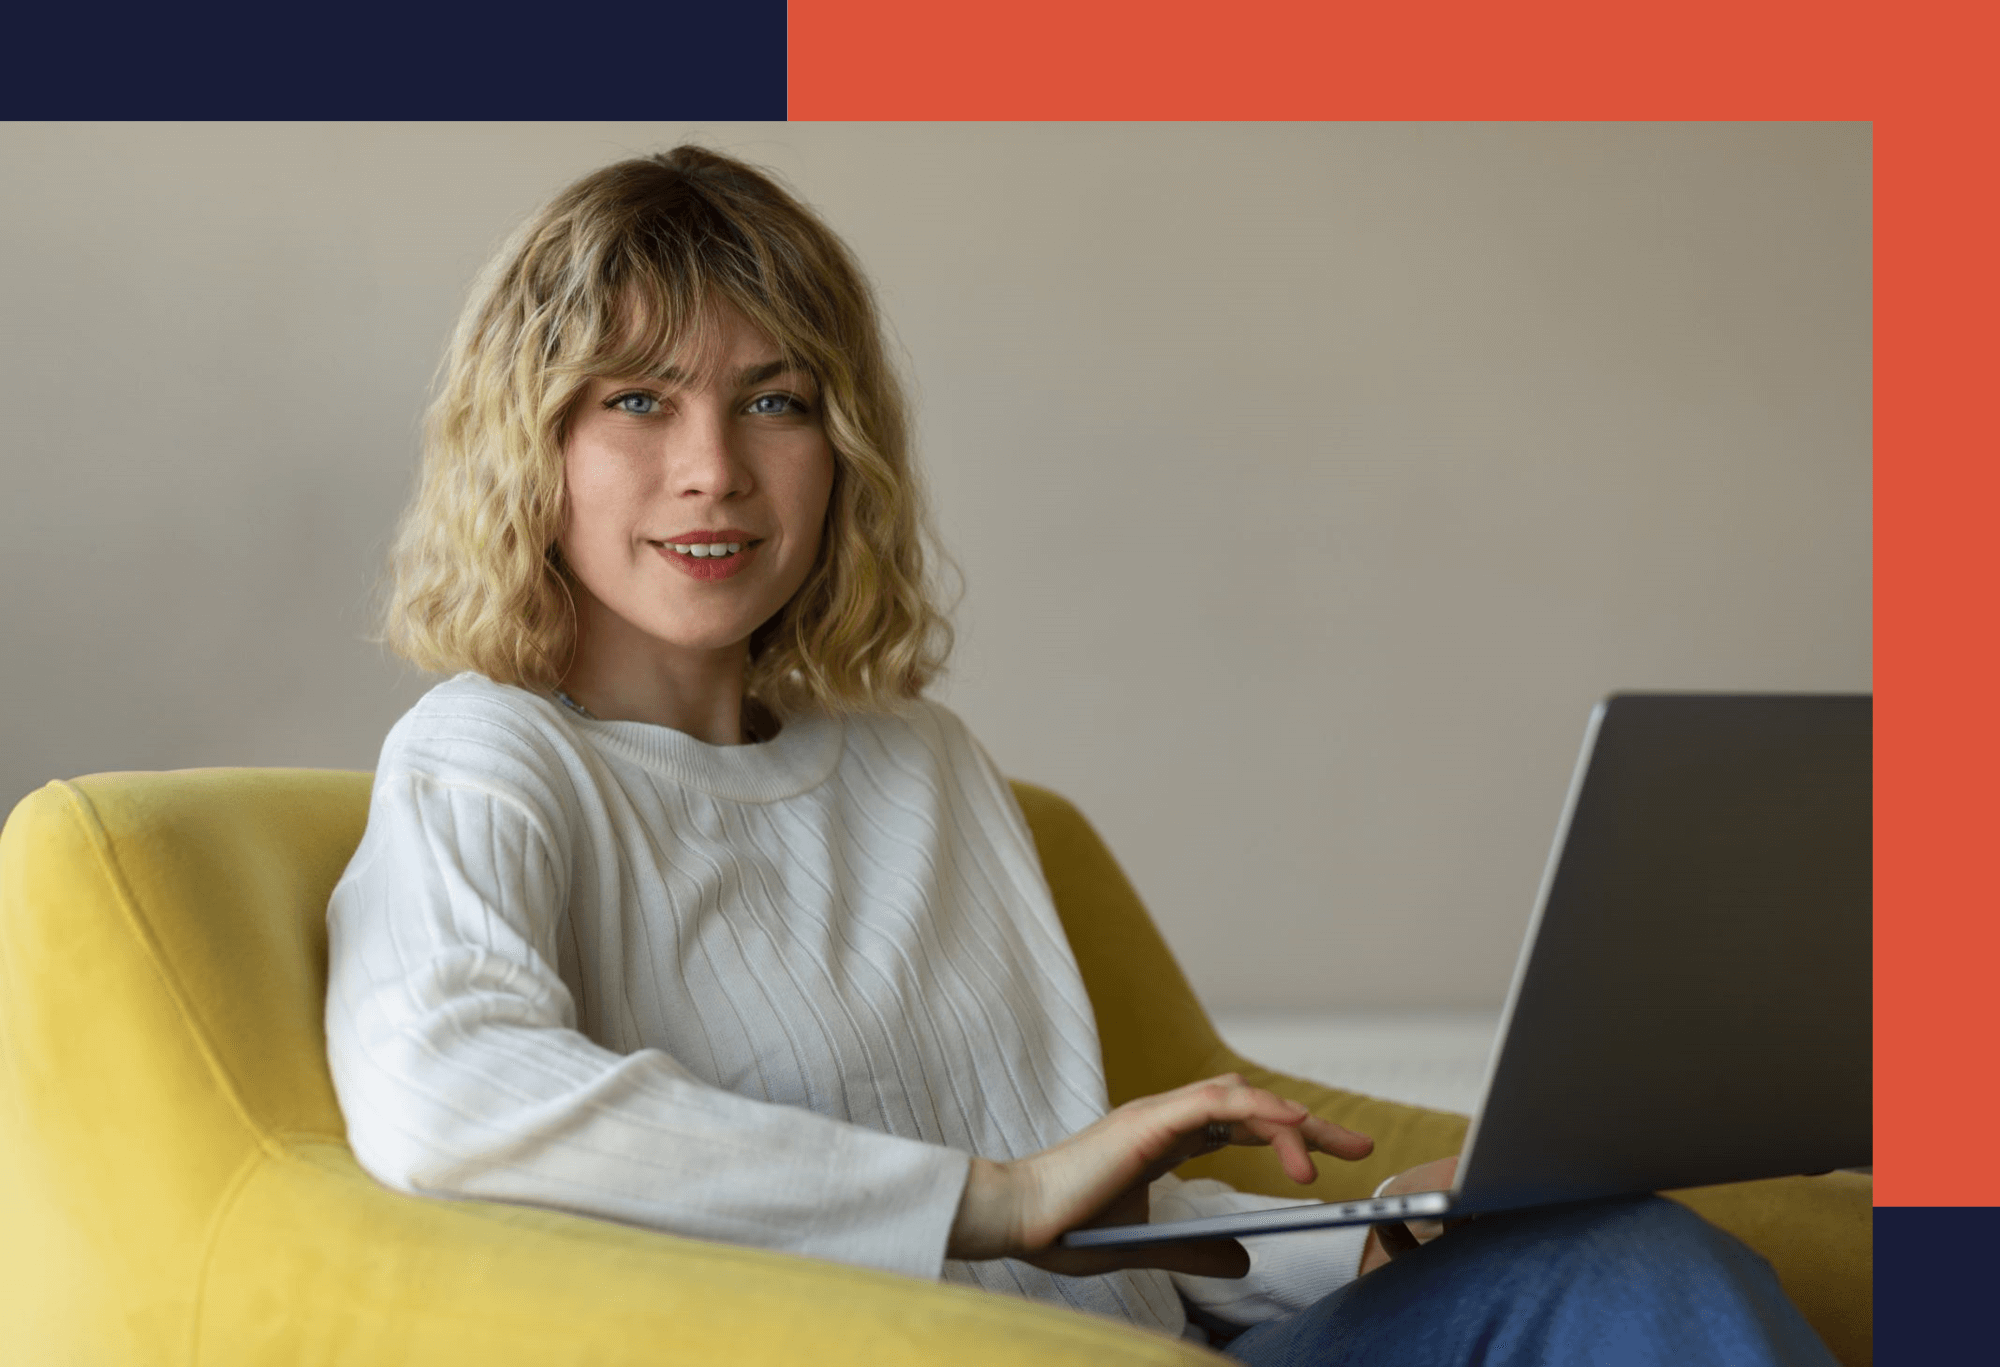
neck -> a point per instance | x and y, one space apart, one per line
618 676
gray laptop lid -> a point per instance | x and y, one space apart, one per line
1693 1002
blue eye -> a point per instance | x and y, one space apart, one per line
638 404
778 405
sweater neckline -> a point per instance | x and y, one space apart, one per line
798 759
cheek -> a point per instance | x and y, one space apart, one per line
818 498
597 498
814 507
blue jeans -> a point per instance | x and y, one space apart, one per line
1639 1282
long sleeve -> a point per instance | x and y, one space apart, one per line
774 995
1287 1271
455 1051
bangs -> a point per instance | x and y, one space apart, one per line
659 324
643 298
654 325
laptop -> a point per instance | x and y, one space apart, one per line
1692 1004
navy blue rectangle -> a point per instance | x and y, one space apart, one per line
708 61
1937 1269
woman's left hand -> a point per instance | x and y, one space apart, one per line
1387 1240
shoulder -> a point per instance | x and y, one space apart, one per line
471 791
925 735
919 727
471 732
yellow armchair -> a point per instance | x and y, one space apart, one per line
175 1184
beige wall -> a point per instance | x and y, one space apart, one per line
1310 482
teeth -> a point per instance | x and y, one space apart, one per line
708 550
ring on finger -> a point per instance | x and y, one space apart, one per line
1217 1134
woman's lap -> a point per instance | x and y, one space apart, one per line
1614 1283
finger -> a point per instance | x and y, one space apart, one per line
1313 1135
1291 1147
1186 1114
1336 1140
1245 1114
1231 1096
1293 1143
1325 1136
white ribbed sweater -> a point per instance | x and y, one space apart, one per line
773 995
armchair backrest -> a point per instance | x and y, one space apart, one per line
162 978
1153 1030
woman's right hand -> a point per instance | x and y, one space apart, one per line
1100 1176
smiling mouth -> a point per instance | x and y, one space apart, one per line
706 550
709 560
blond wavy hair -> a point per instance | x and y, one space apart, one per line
619 275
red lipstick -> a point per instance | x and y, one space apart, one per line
709 567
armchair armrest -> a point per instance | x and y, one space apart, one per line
313 1260
1818 1234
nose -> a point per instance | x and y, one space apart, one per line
702 456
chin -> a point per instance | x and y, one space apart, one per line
702 641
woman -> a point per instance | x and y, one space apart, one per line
679 905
